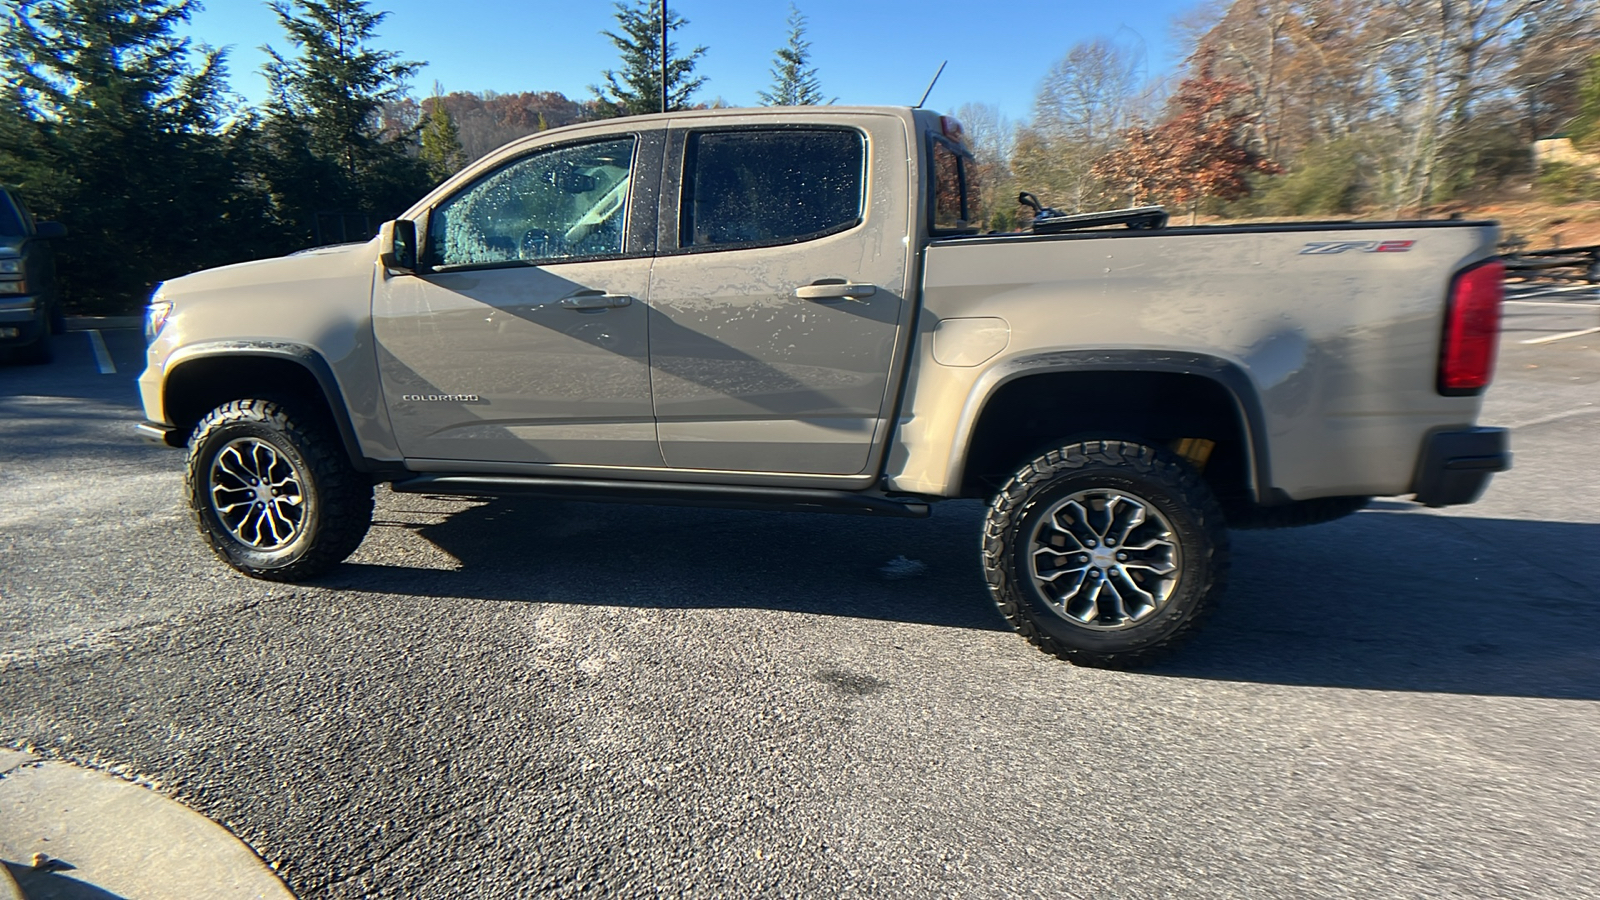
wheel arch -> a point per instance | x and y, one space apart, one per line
1190 395
202 377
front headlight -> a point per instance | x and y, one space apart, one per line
13 287
10 267
155 316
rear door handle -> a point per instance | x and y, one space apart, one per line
834 290
595 300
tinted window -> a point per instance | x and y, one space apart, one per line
949 190
10 219
763 187
554 204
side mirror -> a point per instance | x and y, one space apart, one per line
397 246
50 230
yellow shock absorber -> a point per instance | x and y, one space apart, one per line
1196 450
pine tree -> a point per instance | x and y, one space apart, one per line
323 128
636 90
1585 127
793 82
441 139
116 126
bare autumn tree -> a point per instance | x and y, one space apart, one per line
1555 43
1307 64
1201 150
1426 94
1440 58
992 139
1085 104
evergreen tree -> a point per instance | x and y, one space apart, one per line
114 125
441 139
1585 127
793 82
323 133
637 88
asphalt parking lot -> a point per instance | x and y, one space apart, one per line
519 698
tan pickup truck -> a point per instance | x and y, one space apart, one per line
787 307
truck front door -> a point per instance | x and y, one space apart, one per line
777 296
525 339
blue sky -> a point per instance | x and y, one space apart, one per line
876 52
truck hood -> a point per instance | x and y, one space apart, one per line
250 278
11 246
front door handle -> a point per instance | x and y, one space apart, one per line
834 290
595 300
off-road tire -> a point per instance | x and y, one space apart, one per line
1163 481
336 497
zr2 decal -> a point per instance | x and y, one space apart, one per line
1322 247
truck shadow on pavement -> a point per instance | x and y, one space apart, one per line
1393 599
549 551
1411 601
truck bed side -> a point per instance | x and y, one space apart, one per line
1327 336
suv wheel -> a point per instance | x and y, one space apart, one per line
1105 553
273 493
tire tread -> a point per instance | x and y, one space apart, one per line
1010 505
345 496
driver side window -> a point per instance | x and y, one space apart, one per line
561 203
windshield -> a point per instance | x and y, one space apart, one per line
10 218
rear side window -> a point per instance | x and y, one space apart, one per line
956 206
773 186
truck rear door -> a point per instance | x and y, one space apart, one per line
777 297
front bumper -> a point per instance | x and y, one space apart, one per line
20 321
1456 466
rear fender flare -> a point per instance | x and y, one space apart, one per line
1229 375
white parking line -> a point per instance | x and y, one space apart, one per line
1551 289
1568 304
1561 337
102 356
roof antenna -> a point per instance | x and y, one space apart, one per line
931 84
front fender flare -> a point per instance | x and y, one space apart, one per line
300 354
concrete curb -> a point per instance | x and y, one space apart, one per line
103 834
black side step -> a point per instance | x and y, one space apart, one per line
724 496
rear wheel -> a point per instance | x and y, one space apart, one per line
273 493
1105 553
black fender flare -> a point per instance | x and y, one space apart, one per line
302 355
1230 376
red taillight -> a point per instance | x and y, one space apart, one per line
1471 330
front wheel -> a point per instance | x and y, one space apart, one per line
273 493
1105 553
